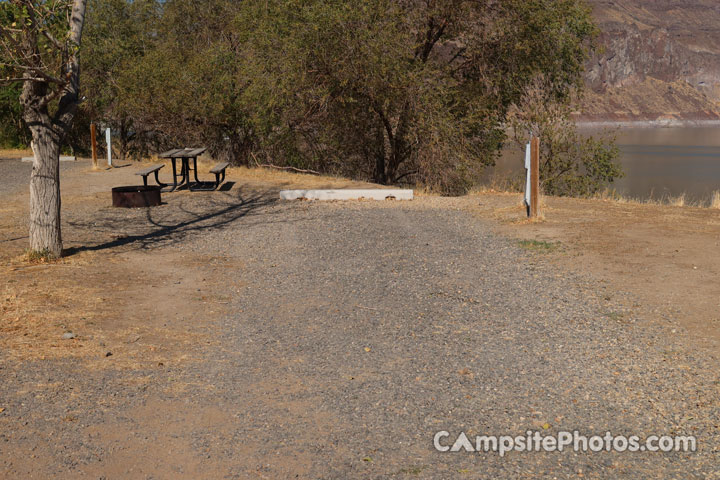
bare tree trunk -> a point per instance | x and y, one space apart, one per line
399 147
379 172
123 139
45 233
48 132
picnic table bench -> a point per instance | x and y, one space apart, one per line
147 171
219 171
185 155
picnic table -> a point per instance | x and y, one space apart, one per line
185 155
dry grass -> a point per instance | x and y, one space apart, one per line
541 246
42 256
715 200
492 188
611 195
271 177
296 180
499 184
35 317
15 153
678 201
86 294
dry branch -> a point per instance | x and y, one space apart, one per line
277 167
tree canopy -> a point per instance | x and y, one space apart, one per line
392 91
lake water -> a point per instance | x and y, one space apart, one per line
659 162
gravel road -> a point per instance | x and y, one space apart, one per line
385 325
15 174
359 330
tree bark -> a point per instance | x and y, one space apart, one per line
45 235
123 140
379 172
398 144
382 164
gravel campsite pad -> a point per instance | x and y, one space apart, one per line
365 330
15 174
335 340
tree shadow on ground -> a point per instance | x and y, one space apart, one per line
177 222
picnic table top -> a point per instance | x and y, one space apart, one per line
182 153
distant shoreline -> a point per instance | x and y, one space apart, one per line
661 123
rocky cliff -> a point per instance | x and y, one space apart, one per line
660 60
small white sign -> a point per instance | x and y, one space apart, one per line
109 147
528 164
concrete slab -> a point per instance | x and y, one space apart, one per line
62 159
342 194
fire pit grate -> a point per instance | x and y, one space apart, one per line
136 196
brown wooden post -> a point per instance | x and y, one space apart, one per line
534 177
93 142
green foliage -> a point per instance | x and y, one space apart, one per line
177 78
570 164
36 43
394 91
118 34
12 129
14 19
387 90
48 23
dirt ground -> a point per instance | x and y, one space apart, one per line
146 296
666 256
100 275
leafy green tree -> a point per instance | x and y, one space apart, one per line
398 90
570 164
388 90
190 88
13 132
118 35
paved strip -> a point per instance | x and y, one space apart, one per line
347 194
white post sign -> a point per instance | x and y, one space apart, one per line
109 146
527 181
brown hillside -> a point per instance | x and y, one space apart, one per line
660 60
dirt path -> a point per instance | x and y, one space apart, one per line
254 339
